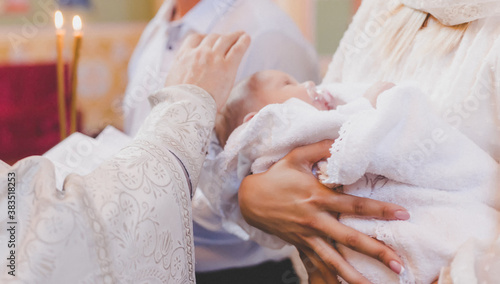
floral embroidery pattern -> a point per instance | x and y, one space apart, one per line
130 220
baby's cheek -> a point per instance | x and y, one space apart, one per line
306 97
309 101
315 104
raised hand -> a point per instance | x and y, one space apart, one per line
210 62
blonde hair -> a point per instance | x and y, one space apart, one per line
403 25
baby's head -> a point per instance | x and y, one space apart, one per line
275 87
259 90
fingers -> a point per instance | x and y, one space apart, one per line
336 262
238 49
360 242
225 42
210 40
310 154
192 41
358 206
317 271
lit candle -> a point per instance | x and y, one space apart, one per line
59 21
77 34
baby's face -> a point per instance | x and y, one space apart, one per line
275 87
262 89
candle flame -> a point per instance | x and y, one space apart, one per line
59 20
77 23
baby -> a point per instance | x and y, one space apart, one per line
246 100
388 153
275 87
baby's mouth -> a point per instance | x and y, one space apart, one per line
326 98
321 104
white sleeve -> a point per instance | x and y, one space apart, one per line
127 221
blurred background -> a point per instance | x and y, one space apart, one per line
111 30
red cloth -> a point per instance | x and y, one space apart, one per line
29 121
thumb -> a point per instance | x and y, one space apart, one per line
312 153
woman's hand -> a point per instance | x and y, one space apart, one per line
317 271
210 62
289 202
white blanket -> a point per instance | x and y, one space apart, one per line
400 152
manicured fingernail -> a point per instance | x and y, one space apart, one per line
396 267
402 215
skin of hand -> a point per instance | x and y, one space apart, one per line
210 62
288 201
317 272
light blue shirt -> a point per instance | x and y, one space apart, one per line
277 44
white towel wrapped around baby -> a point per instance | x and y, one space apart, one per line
399 152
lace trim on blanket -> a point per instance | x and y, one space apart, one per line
333 167
338 152
384 233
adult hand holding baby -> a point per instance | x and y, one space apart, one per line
210 62
289 202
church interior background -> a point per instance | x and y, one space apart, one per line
28 85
